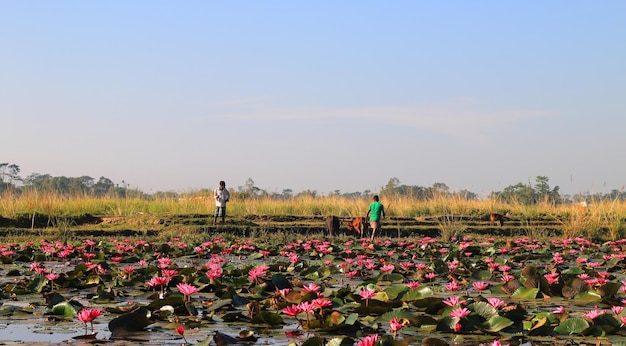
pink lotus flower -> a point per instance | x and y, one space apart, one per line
352 273
593 314
159 281
460 312
617 309
394 326
495 343
129 270
169 272
495 302
452 266
480 285
257 273
413 284
52 276
306 307
164 262
507 277
552 278
87 316
367 294
215 271
453 286
187 290
559 310
453 301
292 310
369 340
430 276
181 331
321 303
311 287
387 268
35 265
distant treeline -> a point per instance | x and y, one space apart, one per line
523 193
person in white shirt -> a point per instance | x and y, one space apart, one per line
221 196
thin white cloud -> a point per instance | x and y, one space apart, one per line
244 101
463 119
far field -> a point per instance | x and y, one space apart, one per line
253 225
57 216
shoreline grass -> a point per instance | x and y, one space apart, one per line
607 216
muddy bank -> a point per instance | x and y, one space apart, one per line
250 225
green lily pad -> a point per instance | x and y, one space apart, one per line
575 325
37 284
484 309
587 296
64 309
314 341
496 324
394 291
8 309
280 281
417 294
267 317
525 293
482 274
573 271
609 289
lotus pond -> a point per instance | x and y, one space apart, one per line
314 291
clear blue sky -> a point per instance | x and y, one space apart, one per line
320 95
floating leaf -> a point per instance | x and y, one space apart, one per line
587 296
218 304
136 320
431 341
335 342
525 293
267 317
574 287
224 339
607 323
37 284
399 314
496 324
64 309
280 281
350 319
484 309
314 341
482 274
609 289
7 309
417 294
573 271
394 291
575 325
393 277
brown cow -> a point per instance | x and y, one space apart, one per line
358 226
494 217
332 225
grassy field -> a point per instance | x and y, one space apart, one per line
447 215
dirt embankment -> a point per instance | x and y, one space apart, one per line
154 224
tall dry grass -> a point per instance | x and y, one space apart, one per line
607 217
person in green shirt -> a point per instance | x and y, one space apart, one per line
375 213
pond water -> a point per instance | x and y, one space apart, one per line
25 318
